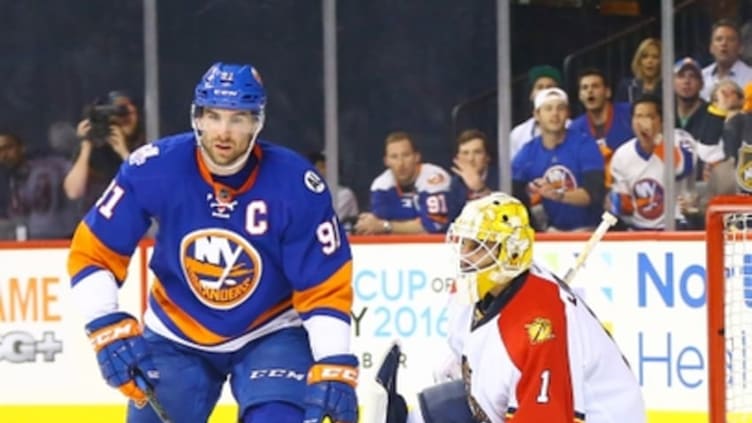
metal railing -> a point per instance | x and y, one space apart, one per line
613 55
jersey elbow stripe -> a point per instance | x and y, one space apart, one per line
190 328
87 250
83 273
335 293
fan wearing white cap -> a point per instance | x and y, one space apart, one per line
560 169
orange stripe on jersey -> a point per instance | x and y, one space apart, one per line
334 293
87 250
194 330
268 314
660 152
440 218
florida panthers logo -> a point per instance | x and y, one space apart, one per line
221 267
648 197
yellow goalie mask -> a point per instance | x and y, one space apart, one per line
493 242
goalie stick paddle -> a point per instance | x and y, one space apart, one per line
607 221
145 386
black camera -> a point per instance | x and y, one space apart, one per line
101 116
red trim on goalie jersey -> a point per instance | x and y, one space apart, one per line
534 329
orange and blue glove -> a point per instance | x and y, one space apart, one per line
123 355
330 394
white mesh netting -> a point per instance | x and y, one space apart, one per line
738 316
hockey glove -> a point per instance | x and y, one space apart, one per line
122 354
331 390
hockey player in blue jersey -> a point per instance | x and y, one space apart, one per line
252 271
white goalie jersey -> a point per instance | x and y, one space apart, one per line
536 353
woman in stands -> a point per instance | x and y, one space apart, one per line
646 68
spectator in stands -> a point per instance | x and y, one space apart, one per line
63 139
693 114
638 192
646 71
473 177
737 146
727 98
345 204
409 197
604 123
561 169
39 208
539 78
100 155
726 49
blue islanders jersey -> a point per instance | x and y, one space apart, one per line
427 200
618 128
564 166
617 131
231 264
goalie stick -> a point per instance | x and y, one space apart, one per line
607 221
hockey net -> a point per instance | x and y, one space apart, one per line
729 305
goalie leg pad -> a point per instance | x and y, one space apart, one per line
445 403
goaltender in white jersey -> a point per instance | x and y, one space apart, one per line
530 350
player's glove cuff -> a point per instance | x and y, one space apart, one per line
336 368
111 327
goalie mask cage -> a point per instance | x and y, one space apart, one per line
729 305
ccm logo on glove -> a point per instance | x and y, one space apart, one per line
328 372
120 330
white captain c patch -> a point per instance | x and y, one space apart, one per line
221 267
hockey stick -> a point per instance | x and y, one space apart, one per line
145 386
607 221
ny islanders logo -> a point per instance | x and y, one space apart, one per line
221 267
560 177
648 198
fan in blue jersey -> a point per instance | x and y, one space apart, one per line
252 273
561 169
410 196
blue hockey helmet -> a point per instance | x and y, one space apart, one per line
231 86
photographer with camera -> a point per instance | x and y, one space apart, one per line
109 132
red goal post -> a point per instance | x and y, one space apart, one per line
728 234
